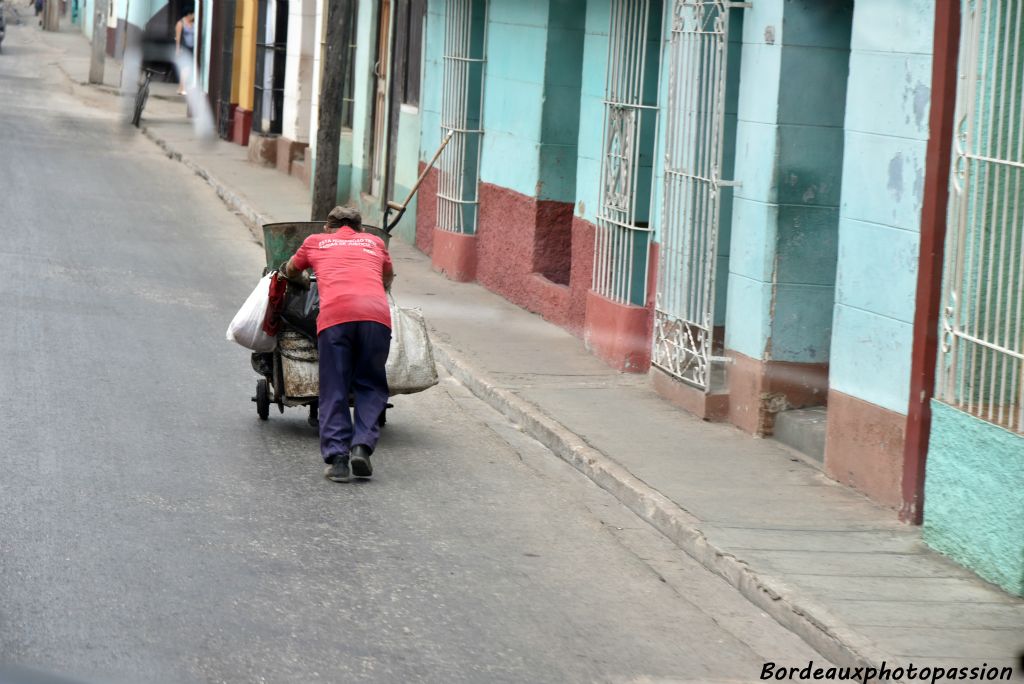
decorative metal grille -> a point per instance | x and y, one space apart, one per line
982 370
630 121
461 108
684 306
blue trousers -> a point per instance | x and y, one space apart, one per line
352 358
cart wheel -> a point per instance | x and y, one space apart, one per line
262 399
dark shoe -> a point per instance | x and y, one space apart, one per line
360 461
337 470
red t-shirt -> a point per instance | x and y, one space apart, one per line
350 267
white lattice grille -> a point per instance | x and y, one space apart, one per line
685 301
461 107
982 370
630 120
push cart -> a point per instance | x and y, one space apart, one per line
290 374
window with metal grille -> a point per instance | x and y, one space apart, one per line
630 124
982 353
684 308
461 109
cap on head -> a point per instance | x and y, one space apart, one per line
345 216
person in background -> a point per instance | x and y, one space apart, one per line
184 43
353 272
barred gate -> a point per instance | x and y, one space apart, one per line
461 110
630 122
684 306
982 352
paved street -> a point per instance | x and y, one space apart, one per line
153 530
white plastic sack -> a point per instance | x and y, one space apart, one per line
247 326
410 367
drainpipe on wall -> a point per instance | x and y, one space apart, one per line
930 258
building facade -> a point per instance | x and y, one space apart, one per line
729 197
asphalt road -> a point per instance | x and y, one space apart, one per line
153 530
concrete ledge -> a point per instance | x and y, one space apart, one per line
864 447
454 255
287 152
712 407
241 126
262 149
618 334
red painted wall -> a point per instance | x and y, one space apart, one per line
534 253
539 256
426 211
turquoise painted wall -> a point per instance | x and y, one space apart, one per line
755 217
514 94
362 108
532 97
974 496
87 10
789 151
433 80
595 58
560 121
883 179
345 167
406 169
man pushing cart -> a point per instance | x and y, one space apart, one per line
334 338
362 349
353 271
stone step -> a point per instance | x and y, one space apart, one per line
803 430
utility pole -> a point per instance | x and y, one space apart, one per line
99 40
328 133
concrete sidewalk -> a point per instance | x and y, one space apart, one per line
821 559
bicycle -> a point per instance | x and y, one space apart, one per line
142 94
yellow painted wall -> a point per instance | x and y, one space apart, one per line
245 53
236 52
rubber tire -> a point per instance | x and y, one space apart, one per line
140 103
263 398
